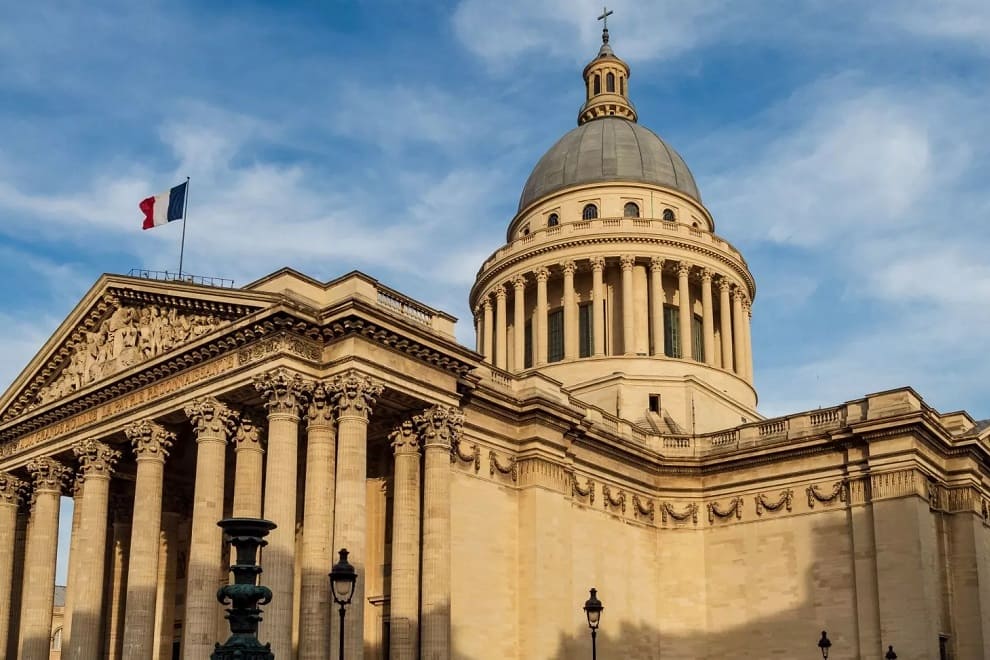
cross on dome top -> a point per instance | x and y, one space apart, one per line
606 82
606 12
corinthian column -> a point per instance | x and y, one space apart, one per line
656 304
570 311
487 326
684 310
598 304
96 462
707 317
249 458
49 478
738 333
354 396
628 325
404 598
318 514
75 563
519 322
151 443
11 495
725 323
212 423
439 429
540 321
501 328
284 394
747 337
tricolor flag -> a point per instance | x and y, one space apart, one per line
164 208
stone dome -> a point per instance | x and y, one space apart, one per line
608 149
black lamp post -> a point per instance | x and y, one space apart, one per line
890 653
824 644
342 579
593 608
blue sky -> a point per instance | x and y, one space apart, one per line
842 146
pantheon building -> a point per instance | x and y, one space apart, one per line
603 432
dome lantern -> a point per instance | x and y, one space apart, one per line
606 82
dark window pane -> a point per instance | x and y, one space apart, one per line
631 210
598 84
553 220
586 325
668 215
555 335
671 332
590 212
610 82
697 340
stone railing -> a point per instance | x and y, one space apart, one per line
585 228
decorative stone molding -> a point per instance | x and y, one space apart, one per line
542 274
500 292
683 269
724 285
405 439
211 417
627 261
319 404
76 489
588 490
717 511
656 264
440 426
510 469
474 456
936 495
355 394
747 306
283 391
150 440
839 491
618 502
568 266
540 471
645 510
783 501
691 511
283 343
486 305
519 282
12 489
249 431
706 275
899 483
47 474
95 458
597 263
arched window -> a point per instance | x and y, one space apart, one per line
598 84
668 215
610 83
590 212
57 640
630 210
622 85
553 220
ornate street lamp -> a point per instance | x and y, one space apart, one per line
890 653
593 608
824 644
342 579
246 535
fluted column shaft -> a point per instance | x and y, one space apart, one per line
404 599
249 458
738 334
707 317
628 324
501 328
656 304
725 319
478 329
540 320
598 304
48 478
117 578
151 443
212 423
519 323
168 563
318 515
684 310
284 395
489 330
12 492
97 462
570 312
354 396
75 561
439 429
747 313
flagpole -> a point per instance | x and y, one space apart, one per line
185 219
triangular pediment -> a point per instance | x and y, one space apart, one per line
121 323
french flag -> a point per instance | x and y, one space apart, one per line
164 208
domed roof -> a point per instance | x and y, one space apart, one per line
608 149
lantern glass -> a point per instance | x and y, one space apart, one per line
342 579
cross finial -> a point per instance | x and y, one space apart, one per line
606 12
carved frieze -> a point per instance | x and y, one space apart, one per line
645 510
96 458
588 490
765 504
839 491
668 511
715 510
616 502
473 456
510 468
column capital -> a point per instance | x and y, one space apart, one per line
747 305
477 311
683 269
500 292
656 264
706 275
284 391
568 266
404 438
597 263
724 284
519 282
12 489
737 294
627 261
78 481
49 475
149 440
440 426
319 409
96 459
210 417
355 394
486 304
542 274
249 432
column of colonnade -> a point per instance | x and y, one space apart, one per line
12 495
733 324
404 596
